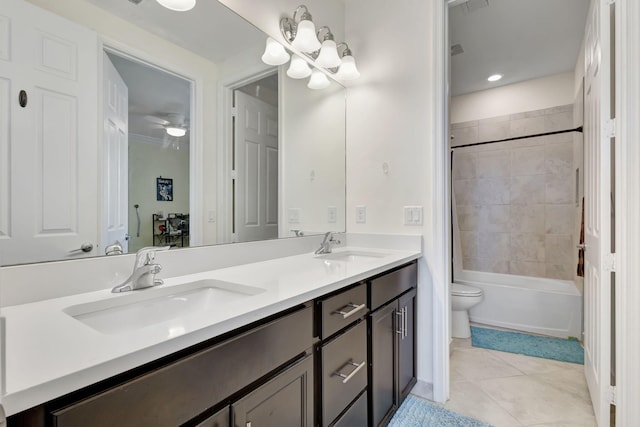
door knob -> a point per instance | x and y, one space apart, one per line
85 247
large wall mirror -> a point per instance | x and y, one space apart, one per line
125 122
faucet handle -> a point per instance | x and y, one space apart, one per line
145 255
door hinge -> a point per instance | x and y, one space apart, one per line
609 2
234 174
234 111
612 395
609 262
610 128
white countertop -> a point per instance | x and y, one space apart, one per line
48 353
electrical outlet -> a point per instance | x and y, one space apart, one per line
361 214
294 215
332 214
413 215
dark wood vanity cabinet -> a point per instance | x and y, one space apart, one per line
392 367
285 401
346 359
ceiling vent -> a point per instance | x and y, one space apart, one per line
456 49
136 2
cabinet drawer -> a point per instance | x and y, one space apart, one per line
177 392
344 371
387 287
343 309
356 415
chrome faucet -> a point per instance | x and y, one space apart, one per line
327 244
144 271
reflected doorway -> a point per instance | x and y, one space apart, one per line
146 154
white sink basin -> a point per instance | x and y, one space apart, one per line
353 256
138 309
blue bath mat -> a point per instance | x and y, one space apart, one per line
416 412
530 345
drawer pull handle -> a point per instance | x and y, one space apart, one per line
345 377
400 323
355 309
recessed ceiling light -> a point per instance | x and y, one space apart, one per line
495 77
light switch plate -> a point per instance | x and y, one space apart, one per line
332 214
361 214
413 215
294 215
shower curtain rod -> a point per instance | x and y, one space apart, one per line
578 129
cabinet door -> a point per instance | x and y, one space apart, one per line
285 401
406 345
219 419
383 354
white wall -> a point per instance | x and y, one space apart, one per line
536 94
120 33
389 112
312 169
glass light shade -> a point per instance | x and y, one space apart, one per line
318 80
298 69
178 5
348 69
328 57
176 131
274 53
306 39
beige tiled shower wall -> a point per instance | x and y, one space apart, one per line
515 200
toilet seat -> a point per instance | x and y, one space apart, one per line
460 290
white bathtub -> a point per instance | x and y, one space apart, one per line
543 306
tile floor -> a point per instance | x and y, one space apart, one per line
510 390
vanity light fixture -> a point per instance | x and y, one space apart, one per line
274 53
495 77
318 80
348 69
178 5
301 33
176 131
298 68
328 56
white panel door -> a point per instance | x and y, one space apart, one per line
256 168
597 149
49 156
115 154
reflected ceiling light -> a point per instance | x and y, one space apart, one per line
301 33
274 53
299 68
176 131
328 56
495 77
348 69
318 80
178 5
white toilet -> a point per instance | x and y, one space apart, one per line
463 297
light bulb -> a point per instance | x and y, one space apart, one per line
328 57
494 77
318 80
178 5
306 39
298 69
176 131
274 53
348 69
